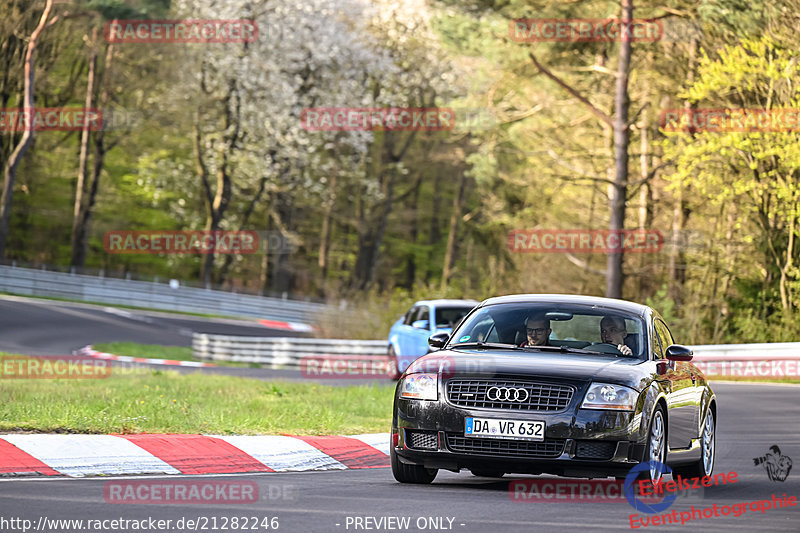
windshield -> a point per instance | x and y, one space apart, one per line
448 317
601 331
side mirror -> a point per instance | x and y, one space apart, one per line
420 324
676 352
438 341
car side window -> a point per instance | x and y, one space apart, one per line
664 336
658 351
423 314
410 316
665 330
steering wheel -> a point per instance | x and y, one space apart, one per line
603 347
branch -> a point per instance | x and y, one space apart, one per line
202 168
598 113
584 265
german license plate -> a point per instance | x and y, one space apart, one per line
504 429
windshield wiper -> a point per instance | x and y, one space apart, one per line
480 344
558 349
568 349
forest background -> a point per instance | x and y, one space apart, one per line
549 135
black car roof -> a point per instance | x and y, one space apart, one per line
595 301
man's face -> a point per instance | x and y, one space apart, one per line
612 333
537 332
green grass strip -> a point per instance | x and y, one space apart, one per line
161 401
157 351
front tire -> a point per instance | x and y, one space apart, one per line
656 449
708 442
411 473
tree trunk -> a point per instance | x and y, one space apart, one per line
680 212
10 170
325 235
78 258
787 266
449 254
729 267
645 201
248 212
372 228
436 233
378 240
217 201
614 276
282 274
411 256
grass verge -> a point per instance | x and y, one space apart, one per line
157 401
157 351
131 307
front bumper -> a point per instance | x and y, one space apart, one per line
578 442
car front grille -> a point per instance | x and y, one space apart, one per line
505 448
589 449
422 440
490 394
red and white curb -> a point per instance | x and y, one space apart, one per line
291 326
89 455
90 352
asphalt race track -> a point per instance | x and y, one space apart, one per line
752 418
31 326
46 327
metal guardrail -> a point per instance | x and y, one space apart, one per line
288 352
773 359
282 352
747 352
32 282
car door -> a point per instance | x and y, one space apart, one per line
403 333
681 401
419 335
696 386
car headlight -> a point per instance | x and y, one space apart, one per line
420 387
607 396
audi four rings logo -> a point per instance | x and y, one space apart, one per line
506 394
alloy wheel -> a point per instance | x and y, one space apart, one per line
656 446
708 443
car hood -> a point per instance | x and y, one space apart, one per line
531 364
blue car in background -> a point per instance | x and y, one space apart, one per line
408 338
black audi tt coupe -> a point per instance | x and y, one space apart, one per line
574 386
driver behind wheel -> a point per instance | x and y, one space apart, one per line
537 330
613 331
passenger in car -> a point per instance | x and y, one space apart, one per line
613 331
537 330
